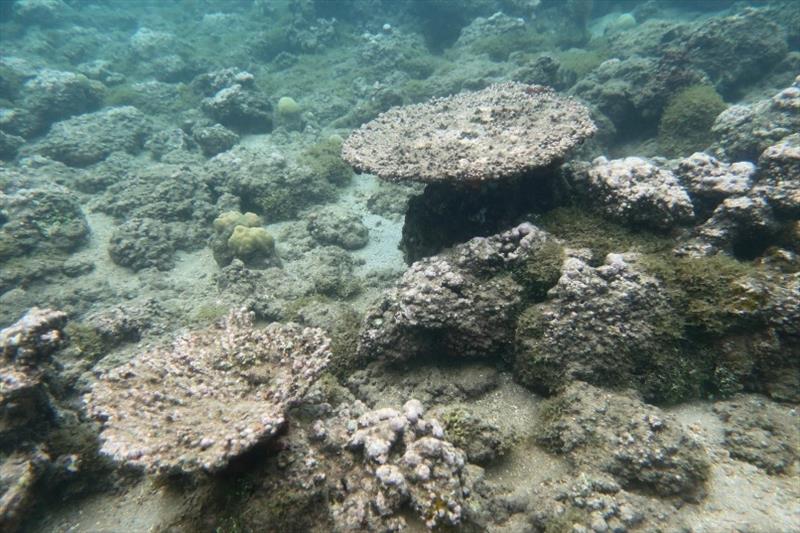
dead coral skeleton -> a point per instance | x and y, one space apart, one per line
499 132
210 397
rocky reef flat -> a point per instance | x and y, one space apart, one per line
476 265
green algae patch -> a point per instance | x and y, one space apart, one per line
325 161
540 271
344 336
579 228
708 291
86 340
709 301
565 522
209 313
498 47
713 305
685 125
530 368
483 442
580 61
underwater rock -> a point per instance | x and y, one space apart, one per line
169 193
745 225
40 220
214 139
40 12
35 456
764 360
594 501
338 227
482 441
544 70
330 270
636 192
736 49
651 37
55 95
101 70
20 473
154 97
165 145
597 325
458 304
267 182
617 433
486 34
500 132
172 68
210 397
9 145
142 243
710 181
442 385
100 331
210 83
391 199
148 44
386 53
33 337
740 224
18 122
310 36
760 432
634 90
240 109
272 293
744 131
26 348
15 71
779 177
89 138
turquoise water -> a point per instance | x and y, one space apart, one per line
382 265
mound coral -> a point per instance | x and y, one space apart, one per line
240 236
246 243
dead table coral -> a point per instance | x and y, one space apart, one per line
210 397
488 157
502 131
